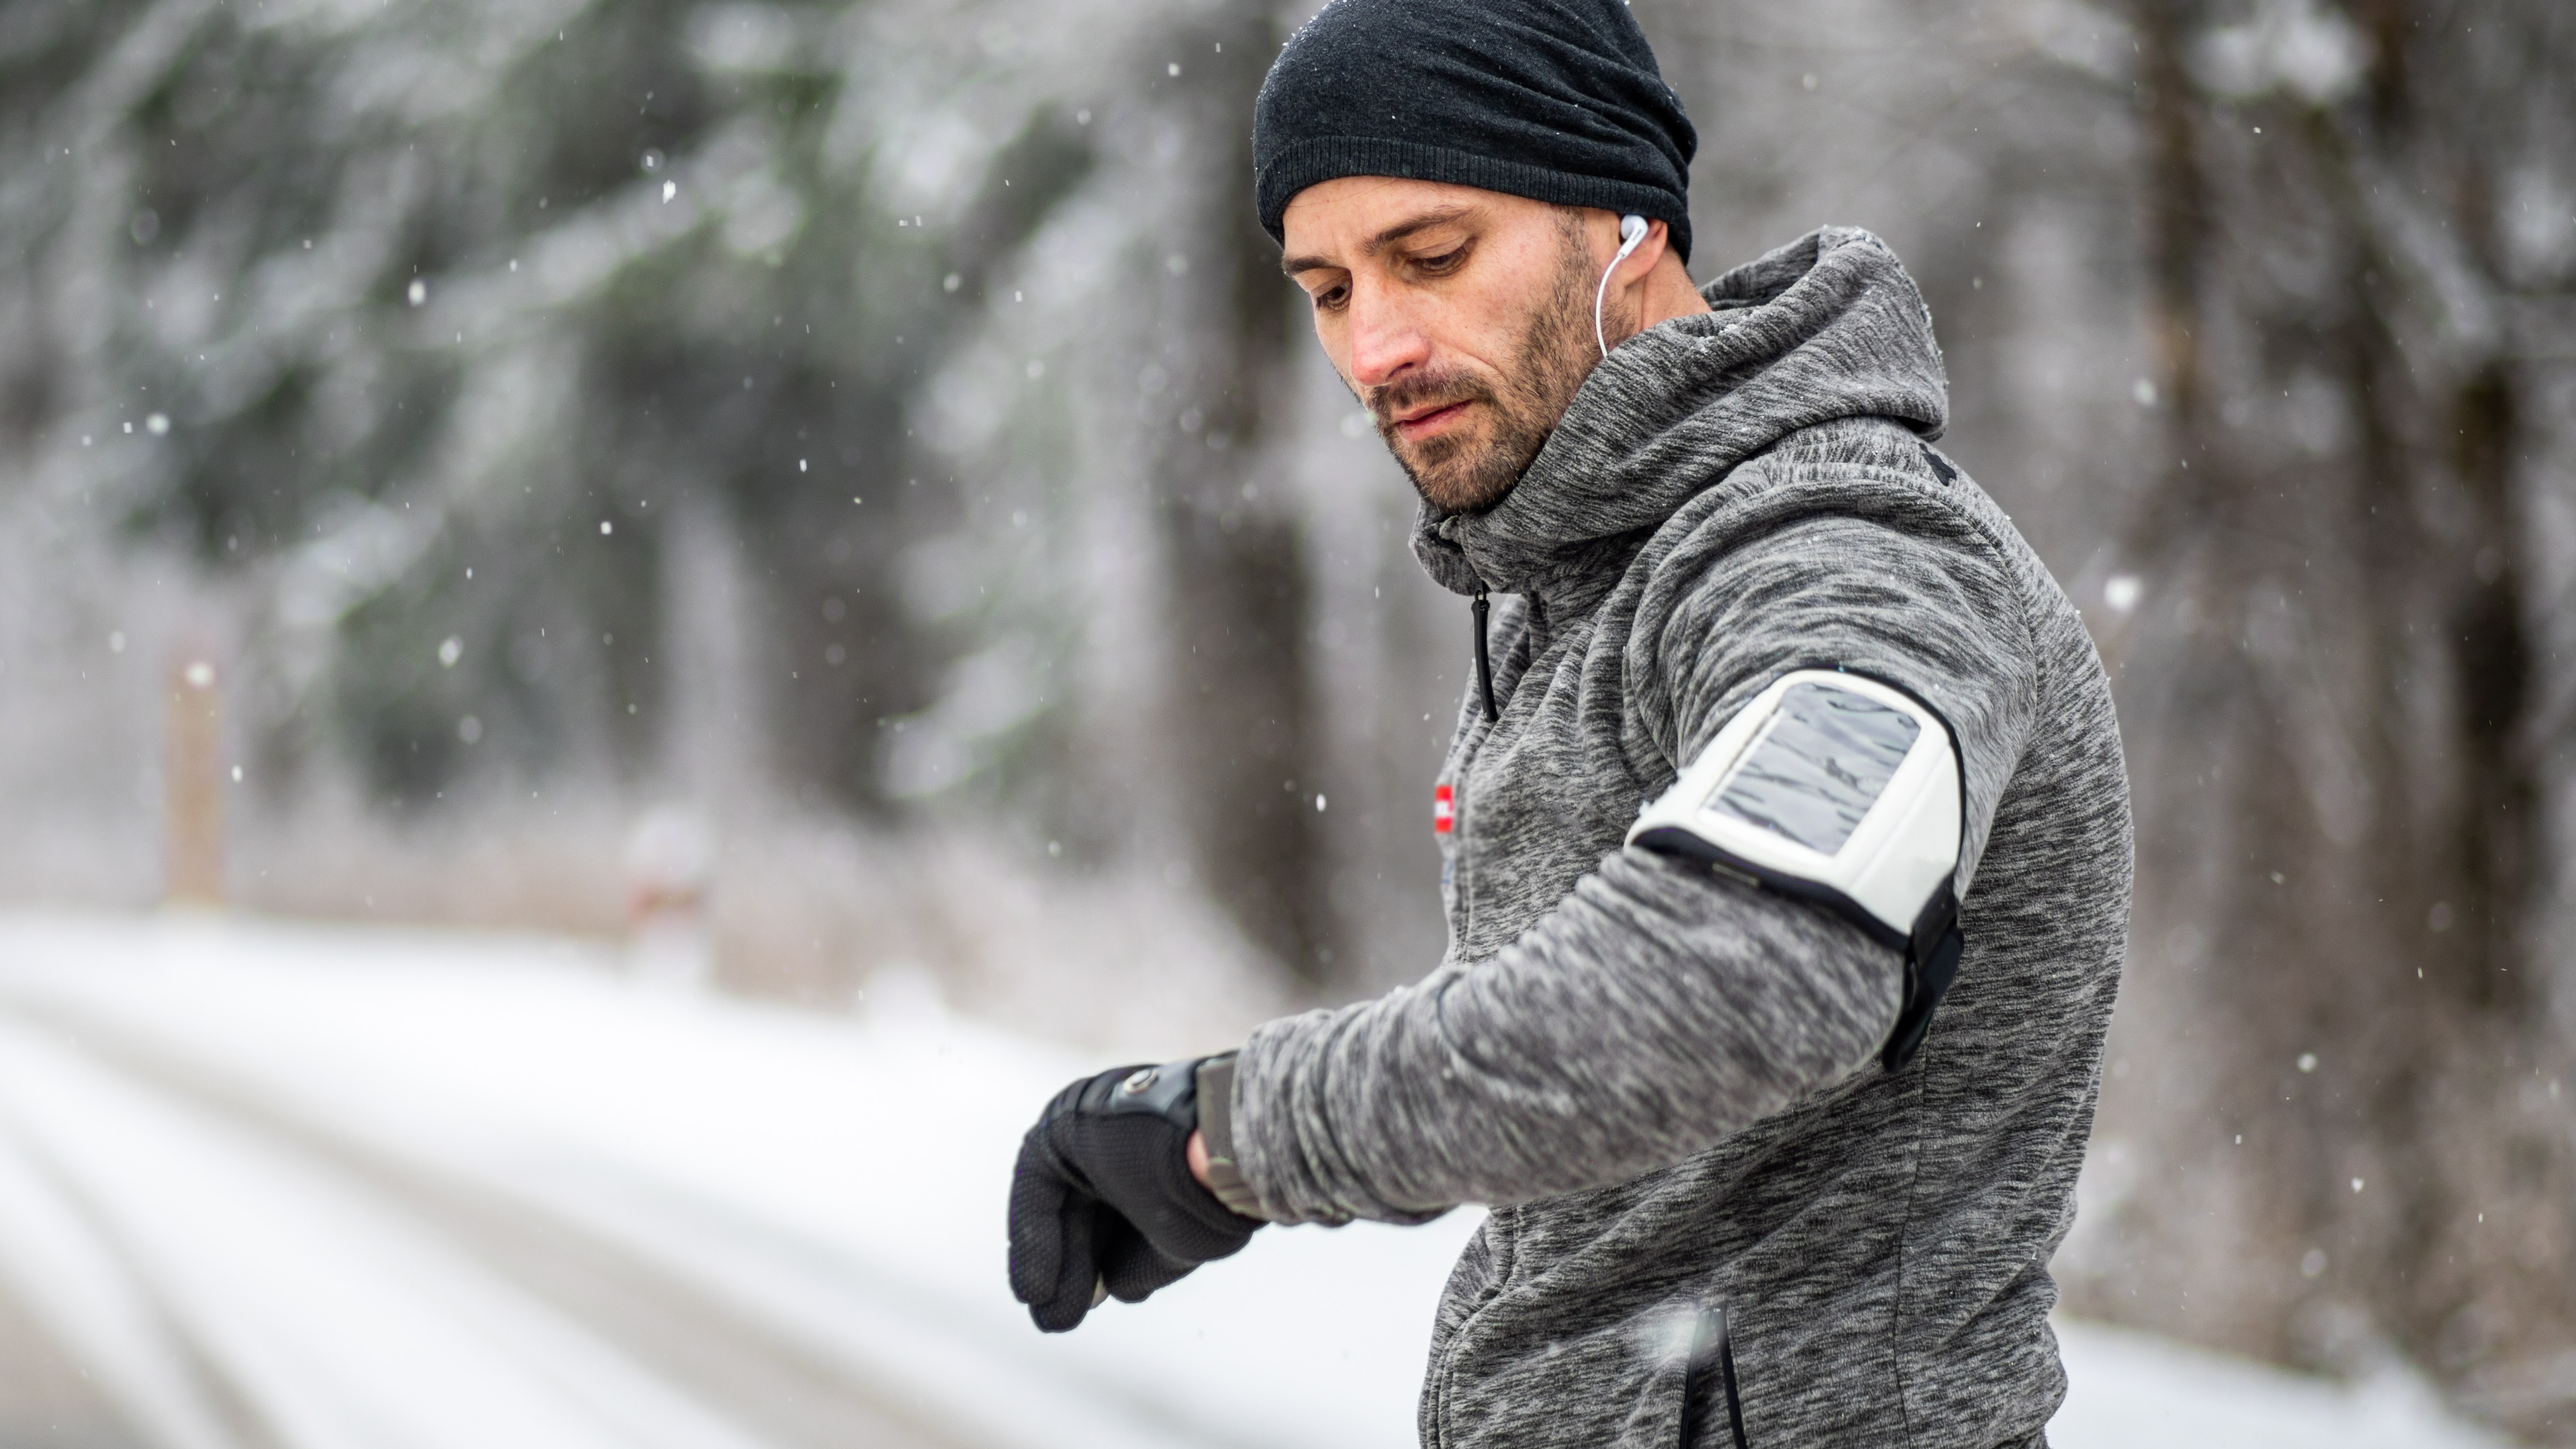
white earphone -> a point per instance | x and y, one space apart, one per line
1632 230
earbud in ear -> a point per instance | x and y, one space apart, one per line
1632 230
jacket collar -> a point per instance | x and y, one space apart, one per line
1829 326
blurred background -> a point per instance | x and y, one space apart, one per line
833 503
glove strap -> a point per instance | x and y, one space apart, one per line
1216 1131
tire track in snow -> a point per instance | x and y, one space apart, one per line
47 1400
78 1291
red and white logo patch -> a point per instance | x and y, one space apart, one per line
1444 810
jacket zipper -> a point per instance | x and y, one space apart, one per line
1712 1346
1484 662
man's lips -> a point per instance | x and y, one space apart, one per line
1413 427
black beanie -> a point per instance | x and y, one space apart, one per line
1555 100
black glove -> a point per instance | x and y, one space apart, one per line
1103 1196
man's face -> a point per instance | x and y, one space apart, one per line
1462 320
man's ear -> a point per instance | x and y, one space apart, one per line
1641 263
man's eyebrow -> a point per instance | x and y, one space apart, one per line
1380 242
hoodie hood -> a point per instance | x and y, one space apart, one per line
1827 327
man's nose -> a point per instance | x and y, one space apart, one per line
1386 341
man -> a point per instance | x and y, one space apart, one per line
1755 1179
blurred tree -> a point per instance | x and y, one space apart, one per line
439 288
2342 781
1241 691
459 319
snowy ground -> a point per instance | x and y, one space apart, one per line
322 1187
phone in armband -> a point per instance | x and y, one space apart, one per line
1843 790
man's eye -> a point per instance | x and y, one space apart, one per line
1332 298
1447 261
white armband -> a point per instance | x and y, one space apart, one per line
1845 791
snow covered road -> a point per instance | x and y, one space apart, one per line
380 1189
338 1316
314 1187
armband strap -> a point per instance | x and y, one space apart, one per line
1931 961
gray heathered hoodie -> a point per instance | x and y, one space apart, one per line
1666 1083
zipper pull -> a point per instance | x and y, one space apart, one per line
1484 665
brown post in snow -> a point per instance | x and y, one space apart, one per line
192 780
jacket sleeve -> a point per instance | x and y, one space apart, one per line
1658 1008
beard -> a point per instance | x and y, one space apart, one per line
1469 469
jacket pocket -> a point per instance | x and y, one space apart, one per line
1711 1381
